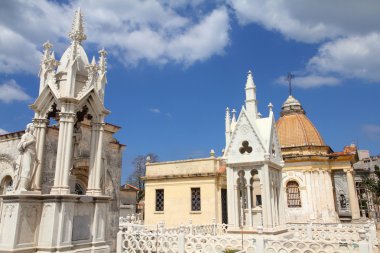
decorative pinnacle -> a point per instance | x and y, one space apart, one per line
103 60
47 46
249 83
233 115
270 106
77 32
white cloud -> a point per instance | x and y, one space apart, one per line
353 57
371 131
308 20
133 31
155 110
10 91
2 131
310 81
347 31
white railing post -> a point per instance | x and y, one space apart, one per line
260 247
191 226
181 240
309 231
214 226
364 246
119 242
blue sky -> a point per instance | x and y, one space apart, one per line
174 66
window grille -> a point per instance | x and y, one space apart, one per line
160 200
293 194
195 199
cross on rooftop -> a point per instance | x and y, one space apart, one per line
289 78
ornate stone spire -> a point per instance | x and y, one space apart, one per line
103 60
228 120
250 83
47 50
77 32
250 94
233 121
228 126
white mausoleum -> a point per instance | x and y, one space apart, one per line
60 182
254 167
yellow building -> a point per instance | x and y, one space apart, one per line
318 182
179 191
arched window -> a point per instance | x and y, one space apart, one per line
6 185
293 194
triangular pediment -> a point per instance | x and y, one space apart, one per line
44 101
274 145
246 144
95 104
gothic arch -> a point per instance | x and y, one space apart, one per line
6 166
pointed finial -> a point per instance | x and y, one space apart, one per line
148 159
77 32
93 62
270 106
47 46
52 55
103 60
233 115
212 153
250 83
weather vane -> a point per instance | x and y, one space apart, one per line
289 79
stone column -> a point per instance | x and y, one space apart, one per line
267 208
96 165
236 206
64 153
40 125
354 204
99 161
230 196
249 204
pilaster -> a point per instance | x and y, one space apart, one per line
354 204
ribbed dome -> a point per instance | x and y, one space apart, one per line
294 128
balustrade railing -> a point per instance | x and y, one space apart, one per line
312 238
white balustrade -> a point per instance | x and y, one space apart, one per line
311 238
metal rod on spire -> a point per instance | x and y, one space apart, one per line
289 78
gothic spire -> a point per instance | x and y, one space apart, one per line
233 121
77 32
103 60
228 126
250 94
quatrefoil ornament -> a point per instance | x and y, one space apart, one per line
245 148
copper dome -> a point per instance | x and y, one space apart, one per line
294 128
